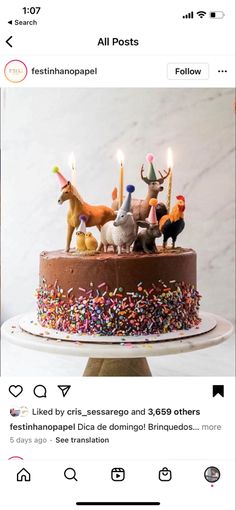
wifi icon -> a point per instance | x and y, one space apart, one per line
201 14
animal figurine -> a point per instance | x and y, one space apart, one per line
171 225
161 209
80 234
123 231
145 241
140 208
97 215
80 242
90 242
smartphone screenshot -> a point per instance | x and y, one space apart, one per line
117 382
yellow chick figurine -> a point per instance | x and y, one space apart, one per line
80 234
80 241
90 242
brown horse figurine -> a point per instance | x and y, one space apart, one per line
97 215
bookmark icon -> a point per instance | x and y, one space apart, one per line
218 389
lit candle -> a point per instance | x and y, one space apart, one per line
120 157
72 165
170 168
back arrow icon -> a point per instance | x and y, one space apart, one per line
7 41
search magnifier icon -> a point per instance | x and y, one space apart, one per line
70 474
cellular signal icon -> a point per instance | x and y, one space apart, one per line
189 15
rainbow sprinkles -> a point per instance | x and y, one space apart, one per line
159 309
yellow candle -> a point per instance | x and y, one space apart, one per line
120 157
72 164
170 167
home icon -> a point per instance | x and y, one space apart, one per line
23 476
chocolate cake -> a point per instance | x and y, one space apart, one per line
110 294
123 285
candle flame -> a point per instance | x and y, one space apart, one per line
120 156
169 158
71 160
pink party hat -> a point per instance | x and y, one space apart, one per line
152 217
62 180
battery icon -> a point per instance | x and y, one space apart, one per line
217 14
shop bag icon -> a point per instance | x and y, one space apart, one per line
165 475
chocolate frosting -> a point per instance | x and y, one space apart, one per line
72 271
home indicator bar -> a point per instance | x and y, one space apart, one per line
121 503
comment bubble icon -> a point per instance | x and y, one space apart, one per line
40 391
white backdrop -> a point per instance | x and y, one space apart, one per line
42 126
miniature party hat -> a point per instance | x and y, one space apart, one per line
152 217
62 180
127 201
82 225
151 175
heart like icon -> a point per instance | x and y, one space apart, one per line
15 390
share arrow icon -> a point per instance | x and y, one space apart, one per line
64 389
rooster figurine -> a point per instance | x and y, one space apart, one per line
171 225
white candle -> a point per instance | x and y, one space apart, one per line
120 157
72 164
170 167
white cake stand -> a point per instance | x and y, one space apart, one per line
128 359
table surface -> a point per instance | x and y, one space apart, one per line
12 332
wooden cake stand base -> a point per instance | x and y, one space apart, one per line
117 367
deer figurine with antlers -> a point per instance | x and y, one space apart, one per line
140 207
97 215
